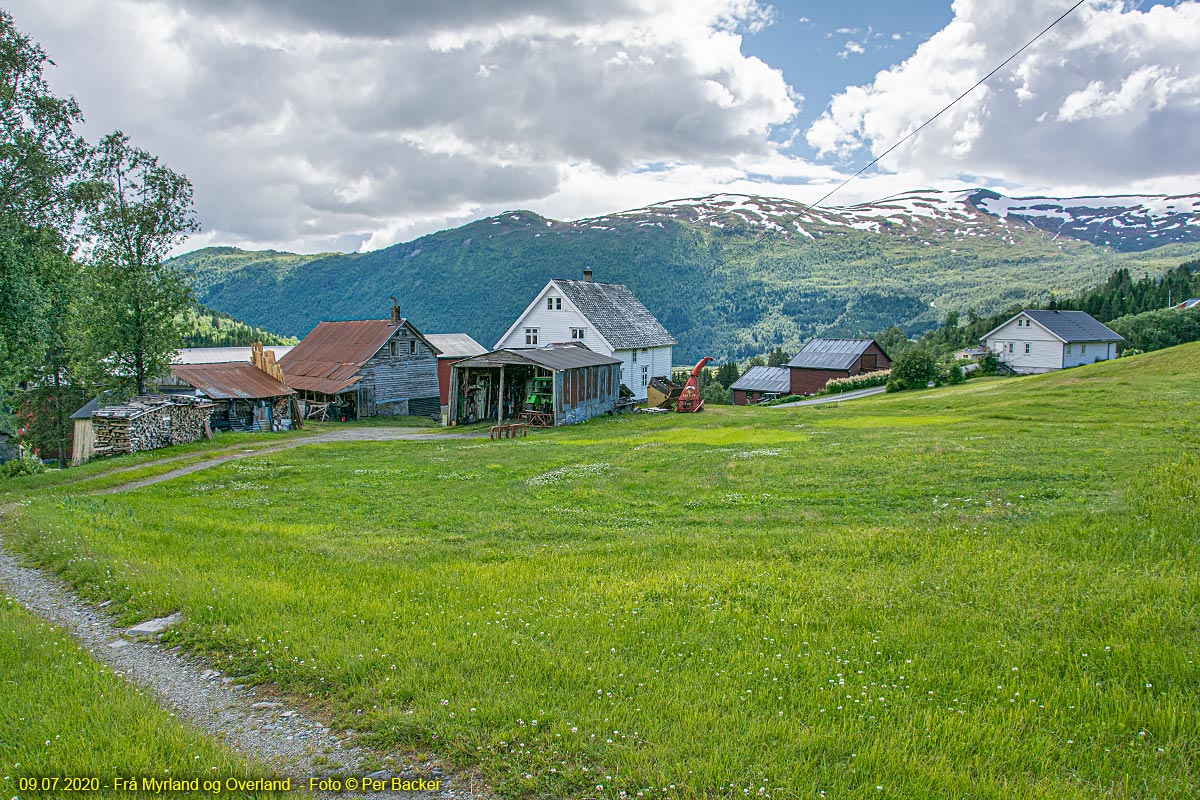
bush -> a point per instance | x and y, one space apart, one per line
989 364
787 398
716 394
26 464
896 385
915 369
954 375
855 382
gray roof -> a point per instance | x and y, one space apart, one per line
618 316
830 353
554 357
1191 302
221 355
86 411
1070 326
455 345
764 379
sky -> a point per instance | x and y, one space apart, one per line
311 126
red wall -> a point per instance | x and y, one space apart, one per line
811 381
444 378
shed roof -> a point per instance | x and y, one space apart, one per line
830 353
456 345
88 408
144 404
1069 326
220 355
554 357
329 358
764 379
230 381
616 314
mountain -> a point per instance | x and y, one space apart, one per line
728 275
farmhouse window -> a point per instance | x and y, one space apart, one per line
645 376
412 347
394 349
1082 349
1027 348
531 336
577 333
554 304
1011 347
635 356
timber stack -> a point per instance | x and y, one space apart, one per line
150 422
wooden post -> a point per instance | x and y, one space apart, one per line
500 402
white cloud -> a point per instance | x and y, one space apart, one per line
851 48
1107 98
312 125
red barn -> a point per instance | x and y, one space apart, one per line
454 347
822 360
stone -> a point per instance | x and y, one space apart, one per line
208 674
379 775
267 704
158 625
118 644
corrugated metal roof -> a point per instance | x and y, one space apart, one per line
221 355
616 314
456 345
554 357
1069 326
764 379
328 359
230 381
830 353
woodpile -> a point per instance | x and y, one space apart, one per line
265 360
150 422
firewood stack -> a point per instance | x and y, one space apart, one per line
150 422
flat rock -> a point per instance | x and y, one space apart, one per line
153 626
267 704
118 644
208 674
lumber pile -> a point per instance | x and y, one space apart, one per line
265 360
150 422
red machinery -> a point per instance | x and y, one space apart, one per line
690 401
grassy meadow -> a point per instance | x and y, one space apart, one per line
64 716
984 591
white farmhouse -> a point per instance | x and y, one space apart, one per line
605 317
1043 341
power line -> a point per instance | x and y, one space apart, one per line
811 207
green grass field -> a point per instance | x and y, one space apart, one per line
986 591
63 716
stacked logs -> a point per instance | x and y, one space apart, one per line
150 422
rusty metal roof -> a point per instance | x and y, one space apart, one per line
328 359
230 380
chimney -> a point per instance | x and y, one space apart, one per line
587 274
395 312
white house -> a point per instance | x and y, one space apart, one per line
1042 341
607 318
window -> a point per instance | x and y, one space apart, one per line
1027 348
645 376
1082 349
394 348
412 347
554 304
1068 349
1011 347
577 333
531 335
635 356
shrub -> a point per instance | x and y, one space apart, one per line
954 374
716 394
27 464
915 369
896 385
989 364
855 382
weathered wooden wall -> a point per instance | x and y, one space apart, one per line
405 383
586 392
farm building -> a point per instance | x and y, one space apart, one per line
143 423
544 386
454 347
245 396
761 381
1036 341
224 355
607 318
822 360
364 368
1191 302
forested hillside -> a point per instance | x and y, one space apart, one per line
707 274
204 327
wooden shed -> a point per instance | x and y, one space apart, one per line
244 397
760 383
454 347
546 386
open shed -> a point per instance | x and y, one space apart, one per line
244 396
546 386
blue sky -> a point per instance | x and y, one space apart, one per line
354 125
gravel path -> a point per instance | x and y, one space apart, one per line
288 738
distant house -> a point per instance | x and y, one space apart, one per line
364 368
968 353
1191 302
760 381
454 347
1042 341
822 360
607 318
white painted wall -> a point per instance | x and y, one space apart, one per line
1079 353
657 359
1045 349
554 326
